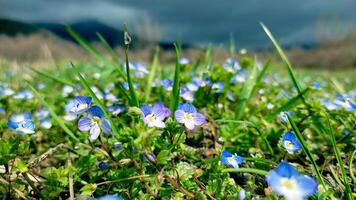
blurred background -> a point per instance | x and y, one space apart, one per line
316 34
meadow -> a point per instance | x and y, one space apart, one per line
194 129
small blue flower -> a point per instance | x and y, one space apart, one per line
317 85
2 110
183 61
4 92
242 194
22 123
139 69
155 116
186 94
116 110
94 122
42 113
286 181
188 115
291 143
218 87
239 77
46 123
231 65
24 94
79 105
230 159
231 96
283 115
346 132
103 165
126 85
167 84
69 116
107 197
40 86
67 90
192 86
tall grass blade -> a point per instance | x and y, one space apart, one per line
96 99
153 70
246 92
289 104
247 170
116 58
260 76
306 150
339 160
286 61
134 100
176 81
54 78
54 115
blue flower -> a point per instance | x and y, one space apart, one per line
79 105
231 65
230 95
230 159
286 181
24 94
183 61
283 115
4 92
192 86
42 113
218 87
186 94
167 84
139 69
346 132
239 77
126 85
155 116
22 123
94 122
317 85
116 110
46 123
67 90
291 143
107 197
2 110
188 115
103 165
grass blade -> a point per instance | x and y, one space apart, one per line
152 74
339 160
306 150
176 82
289 104
269 147
260 76
285 60
247 170
53 114
134 100
96 99
246 92
49 76
116 58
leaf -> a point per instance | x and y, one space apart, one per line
49 76
176 82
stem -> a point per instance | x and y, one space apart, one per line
34 188
247 170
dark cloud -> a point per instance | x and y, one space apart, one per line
197 21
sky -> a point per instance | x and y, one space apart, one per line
199 21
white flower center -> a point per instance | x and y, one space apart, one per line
150 118
188 116
288 144
289 184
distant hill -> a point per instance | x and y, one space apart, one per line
86 28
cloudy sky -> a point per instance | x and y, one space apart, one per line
198 21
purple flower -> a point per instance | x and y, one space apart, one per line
188 115
155 116
94 122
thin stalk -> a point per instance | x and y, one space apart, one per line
247 170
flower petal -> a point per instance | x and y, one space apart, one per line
199 119
85 123
179 115
94 132
96 111
106 126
